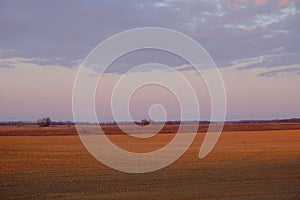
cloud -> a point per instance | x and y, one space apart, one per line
5 51
190 67
272 64
60 33
283 70
232 4
283 3
13 61
279 49
262 20
260 2
246 62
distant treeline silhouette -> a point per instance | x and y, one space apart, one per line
144 122
21 123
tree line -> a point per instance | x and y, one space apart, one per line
46 122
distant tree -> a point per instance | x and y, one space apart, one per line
145 122
169 123
44 122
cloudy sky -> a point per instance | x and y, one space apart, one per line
255 44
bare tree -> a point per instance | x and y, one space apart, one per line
145 122
44 122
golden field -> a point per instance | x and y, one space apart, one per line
249 162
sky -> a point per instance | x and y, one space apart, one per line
255 45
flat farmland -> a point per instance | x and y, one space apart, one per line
248 162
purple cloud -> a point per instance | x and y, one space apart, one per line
229 30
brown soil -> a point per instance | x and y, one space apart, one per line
243 165
115 130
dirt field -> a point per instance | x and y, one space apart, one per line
249 164
114 130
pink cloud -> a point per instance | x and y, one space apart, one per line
260 2
283 3
236 3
